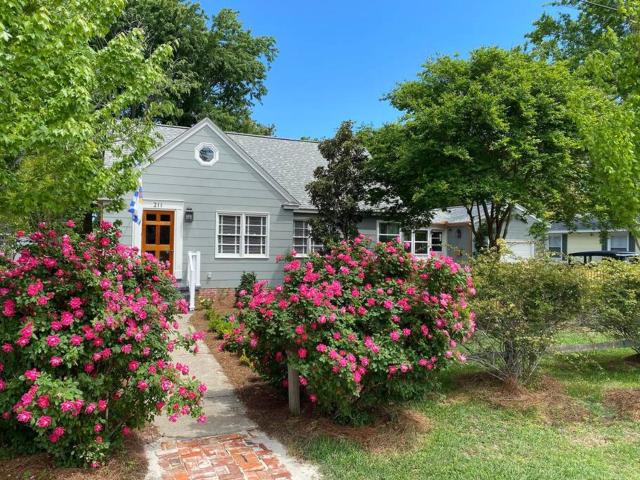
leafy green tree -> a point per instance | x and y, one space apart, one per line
339 189
601 42
582 33
63 105
489 132
218 69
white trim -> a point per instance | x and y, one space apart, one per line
626 238
177 206
155 156
378 222
216 154
588 231
242 216
412 239
309 239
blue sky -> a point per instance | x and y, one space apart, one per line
338 58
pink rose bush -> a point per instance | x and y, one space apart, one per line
364 324
86 330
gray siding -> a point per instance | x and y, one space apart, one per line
519 229
228 185
459 248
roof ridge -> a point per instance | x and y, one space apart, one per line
172 126
271 137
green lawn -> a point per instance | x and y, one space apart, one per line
580 335
472 438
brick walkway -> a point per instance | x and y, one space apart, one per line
221 457
229 446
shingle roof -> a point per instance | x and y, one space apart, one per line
169 133
451 215
290 162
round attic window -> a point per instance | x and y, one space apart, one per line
206 154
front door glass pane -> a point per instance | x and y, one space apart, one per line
150 237
165 235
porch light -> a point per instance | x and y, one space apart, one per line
188 215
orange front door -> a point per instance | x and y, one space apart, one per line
157 234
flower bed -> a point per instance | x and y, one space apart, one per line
86 331
364 324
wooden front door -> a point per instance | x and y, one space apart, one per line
157 234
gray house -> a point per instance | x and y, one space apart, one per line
235 201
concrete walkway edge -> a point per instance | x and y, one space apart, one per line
226 415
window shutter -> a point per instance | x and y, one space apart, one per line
565 243
632 243
604 243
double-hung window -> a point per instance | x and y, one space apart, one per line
388 231
303 242
242 235
437 244
619 241
555 244
420 243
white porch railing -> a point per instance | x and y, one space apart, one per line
193 277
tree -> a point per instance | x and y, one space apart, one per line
597 30
63 105
491 132
339 189
601 42
218 69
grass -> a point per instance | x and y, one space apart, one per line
580 335
534 437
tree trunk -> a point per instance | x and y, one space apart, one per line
87 222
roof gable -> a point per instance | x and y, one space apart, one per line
175 138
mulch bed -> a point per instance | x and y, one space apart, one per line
393 430
625 402
547 397
128 464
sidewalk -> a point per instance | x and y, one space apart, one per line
228 447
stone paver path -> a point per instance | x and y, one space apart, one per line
228 447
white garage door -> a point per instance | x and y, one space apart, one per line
520 250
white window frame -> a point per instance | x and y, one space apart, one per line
308 239
379 222
243 221
216 154
555 252
410 237
619 235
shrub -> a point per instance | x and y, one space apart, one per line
519 308
614 303
86 331
247 281
217 323
363 325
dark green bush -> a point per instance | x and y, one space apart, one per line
247 281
